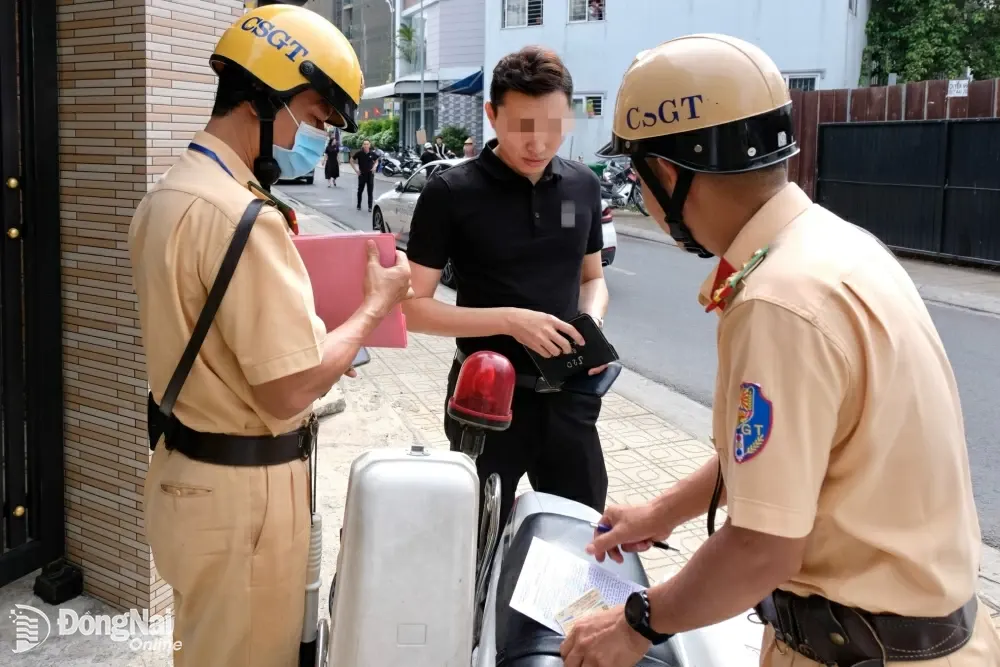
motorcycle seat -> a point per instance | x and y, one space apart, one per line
520 641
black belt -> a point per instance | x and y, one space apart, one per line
231 450
536 383
833 634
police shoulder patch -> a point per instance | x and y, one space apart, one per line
753 423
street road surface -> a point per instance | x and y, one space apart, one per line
656 324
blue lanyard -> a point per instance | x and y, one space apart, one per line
210 153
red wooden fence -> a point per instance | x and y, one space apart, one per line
923 100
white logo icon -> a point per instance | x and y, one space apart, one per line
31 625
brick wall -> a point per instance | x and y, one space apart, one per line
134 87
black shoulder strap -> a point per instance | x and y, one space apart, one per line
219 287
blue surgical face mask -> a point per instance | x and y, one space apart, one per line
305 153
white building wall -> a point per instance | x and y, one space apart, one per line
804 37
455 32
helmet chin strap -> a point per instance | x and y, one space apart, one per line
265 167
673 206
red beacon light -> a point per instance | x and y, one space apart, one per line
482 398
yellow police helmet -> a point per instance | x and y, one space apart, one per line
287 49
709 103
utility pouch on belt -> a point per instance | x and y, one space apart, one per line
217 447
833 634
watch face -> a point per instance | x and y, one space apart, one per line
635 610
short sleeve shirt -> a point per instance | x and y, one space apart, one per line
511 242
837 416
366 161
266 327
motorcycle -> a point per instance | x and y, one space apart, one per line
389 165
418 585
409 162
621 187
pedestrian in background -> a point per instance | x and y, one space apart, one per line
331 170
522 229
469 148
365 164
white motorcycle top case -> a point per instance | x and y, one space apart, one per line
405 584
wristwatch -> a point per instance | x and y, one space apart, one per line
637 617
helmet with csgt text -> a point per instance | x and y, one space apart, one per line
710 103
707 104
287 49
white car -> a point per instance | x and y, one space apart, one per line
393 212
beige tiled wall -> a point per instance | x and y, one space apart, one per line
134 87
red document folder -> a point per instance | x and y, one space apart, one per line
336 265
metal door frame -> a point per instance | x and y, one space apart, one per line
31 308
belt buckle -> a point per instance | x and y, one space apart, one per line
307 437
542 386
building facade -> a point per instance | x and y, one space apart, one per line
369 25
817 44
444 40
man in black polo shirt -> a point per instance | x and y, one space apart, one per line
522 229
365 162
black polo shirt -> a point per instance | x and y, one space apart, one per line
511 243
366 161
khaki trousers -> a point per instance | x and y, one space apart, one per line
232 542
982 650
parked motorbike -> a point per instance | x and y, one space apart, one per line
389 165
417 586
620 185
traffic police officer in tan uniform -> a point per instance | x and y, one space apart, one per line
841 454
227 495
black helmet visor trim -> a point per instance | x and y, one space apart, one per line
316 79
742 145
332 93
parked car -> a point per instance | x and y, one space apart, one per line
307 179
393 212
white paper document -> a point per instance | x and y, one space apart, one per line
552 578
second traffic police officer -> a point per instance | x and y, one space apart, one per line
841 453
227 492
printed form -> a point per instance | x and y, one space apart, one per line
551 579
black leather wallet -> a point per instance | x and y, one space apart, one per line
597 352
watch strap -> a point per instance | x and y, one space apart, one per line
642 625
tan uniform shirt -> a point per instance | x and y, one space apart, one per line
266 327
837 416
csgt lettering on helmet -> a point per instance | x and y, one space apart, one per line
276 37
669 111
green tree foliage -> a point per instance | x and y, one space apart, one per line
382 132
454 137
932 39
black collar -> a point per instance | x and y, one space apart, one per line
496 167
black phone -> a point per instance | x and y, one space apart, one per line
361 358
597 352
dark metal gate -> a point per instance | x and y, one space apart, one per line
928 187
31 440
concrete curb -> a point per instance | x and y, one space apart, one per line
932 293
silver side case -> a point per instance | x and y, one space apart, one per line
406 583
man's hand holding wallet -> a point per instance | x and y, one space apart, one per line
571 371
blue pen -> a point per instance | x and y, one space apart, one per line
603 528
